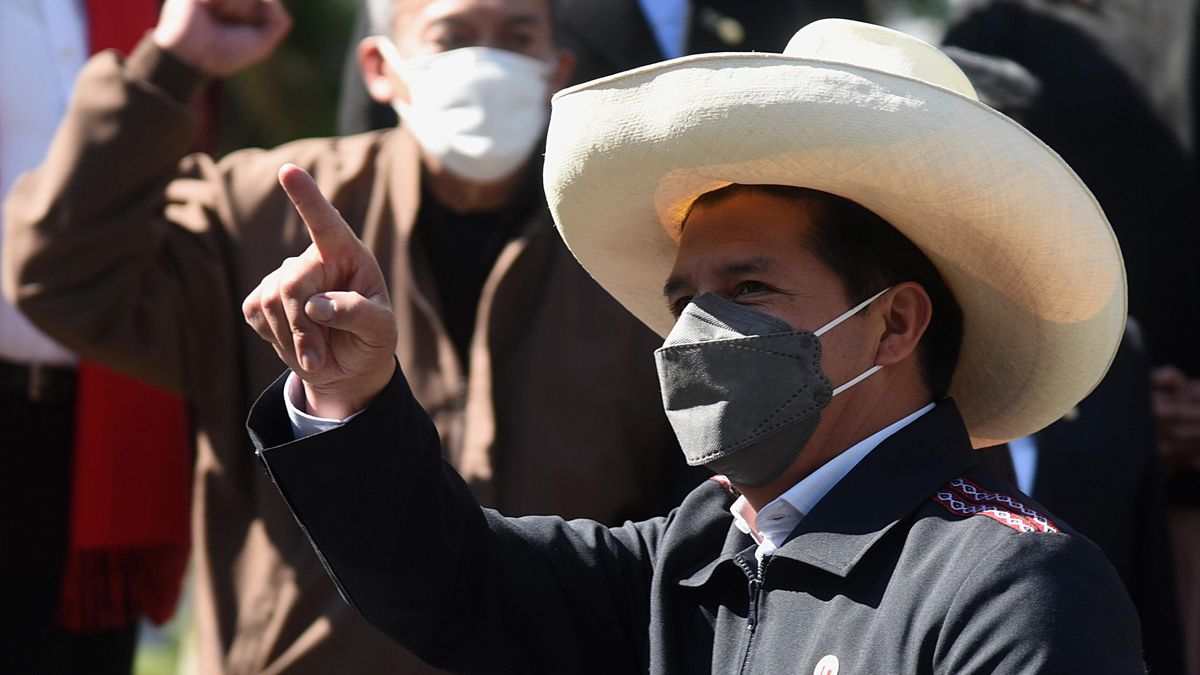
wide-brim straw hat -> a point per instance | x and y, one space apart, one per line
885 120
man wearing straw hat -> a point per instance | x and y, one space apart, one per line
866 274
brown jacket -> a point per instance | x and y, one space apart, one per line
134 254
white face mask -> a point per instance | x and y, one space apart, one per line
478 110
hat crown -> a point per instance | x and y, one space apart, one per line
866 45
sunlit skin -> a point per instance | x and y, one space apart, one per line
425 27
751 249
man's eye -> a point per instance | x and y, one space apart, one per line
517 42
453 40
749 288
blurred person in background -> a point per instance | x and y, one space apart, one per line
97 491
1117 102
1105 445
608 36
132 252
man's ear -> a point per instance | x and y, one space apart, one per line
383 84
906 311
564 67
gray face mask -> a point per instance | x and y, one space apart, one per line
743 390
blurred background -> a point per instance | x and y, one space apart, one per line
258 107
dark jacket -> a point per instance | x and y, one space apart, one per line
609 36
1106 446
889 573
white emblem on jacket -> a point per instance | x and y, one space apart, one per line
828 665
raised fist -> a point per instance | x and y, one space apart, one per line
221 37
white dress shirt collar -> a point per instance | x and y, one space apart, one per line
771 526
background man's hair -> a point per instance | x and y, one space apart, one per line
381 16
868 255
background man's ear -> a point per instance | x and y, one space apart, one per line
382 83
906 311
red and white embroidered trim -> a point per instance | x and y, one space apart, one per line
965 498
724 482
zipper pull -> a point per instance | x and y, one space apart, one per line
752 615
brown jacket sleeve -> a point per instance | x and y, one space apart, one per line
124 247
90 253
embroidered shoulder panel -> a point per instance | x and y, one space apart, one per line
966 498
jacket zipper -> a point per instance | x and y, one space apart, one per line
752 618
755 590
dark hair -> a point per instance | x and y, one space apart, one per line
868 255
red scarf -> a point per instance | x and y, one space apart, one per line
131 489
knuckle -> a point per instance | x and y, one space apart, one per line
269 299
250 308
287 268
291 287
259 325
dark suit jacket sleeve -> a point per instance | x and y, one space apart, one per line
463 587
1074 616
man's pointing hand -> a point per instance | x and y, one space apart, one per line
327 312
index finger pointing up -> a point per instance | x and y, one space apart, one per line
332 236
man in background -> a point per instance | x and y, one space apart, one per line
608 36
137 254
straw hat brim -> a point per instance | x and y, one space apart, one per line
1016 235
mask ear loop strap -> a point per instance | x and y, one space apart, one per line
869 372
391 55
849 313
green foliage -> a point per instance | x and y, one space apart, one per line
294 93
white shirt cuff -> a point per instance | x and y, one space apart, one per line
303 424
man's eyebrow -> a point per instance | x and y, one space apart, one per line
755 265
673 285
523 20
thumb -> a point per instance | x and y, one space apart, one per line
369 319
329 232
